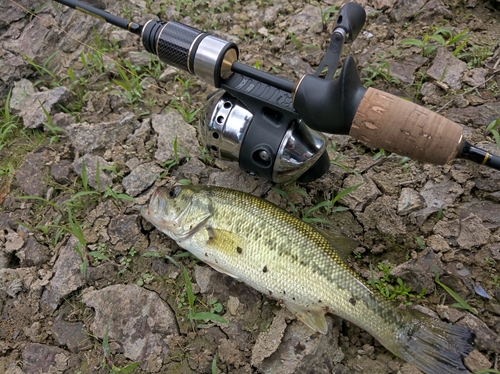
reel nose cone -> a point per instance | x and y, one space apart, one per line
224 126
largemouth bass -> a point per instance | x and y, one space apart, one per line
270 250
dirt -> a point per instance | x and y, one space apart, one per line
128 305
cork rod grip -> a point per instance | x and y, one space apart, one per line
397 125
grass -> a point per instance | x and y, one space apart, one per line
393 288
441 36
195 316
461 303
493 129
8 123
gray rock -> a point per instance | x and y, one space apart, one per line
88 138
485 339
297 65
475 116
487 211
41 358
32 174
447 68
239 180
364 195
171 126
437 195
124 228
302 349
91 164
472 232
410 201
67 277
419 273
268 341
71 334
139 321
33 253
141 178
489 179
13 281
476 77
12 12
27 102
203 274
382 215
404 10
476 361
404 70
306 21
62 171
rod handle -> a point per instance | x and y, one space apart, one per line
383 120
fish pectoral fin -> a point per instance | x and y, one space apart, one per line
342 244
225 241
315 319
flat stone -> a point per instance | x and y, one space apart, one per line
437 195
124 228
404 70
203 275
302 349
171 126
364 195
419 273
32 175
475 116
33 253
476 77
404 10
41 358
382 215
139 321
447 68
27 102
472 232
71 334
62 171
239 180
67 277
307 20
487 211
91 164
268 342
485 339
141 178
88 138
410 201
476 361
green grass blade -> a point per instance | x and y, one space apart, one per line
461 302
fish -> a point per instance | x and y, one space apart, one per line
274 252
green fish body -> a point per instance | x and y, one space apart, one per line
279 255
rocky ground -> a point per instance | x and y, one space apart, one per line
86 285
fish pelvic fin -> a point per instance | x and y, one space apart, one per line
315 319
433 346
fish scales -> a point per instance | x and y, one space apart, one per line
281 256
296 270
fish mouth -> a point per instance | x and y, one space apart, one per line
153 210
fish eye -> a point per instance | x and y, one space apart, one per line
174 192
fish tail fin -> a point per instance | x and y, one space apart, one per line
433 346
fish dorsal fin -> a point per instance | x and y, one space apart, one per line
342 244
315 319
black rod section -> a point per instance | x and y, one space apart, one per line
469 152
102 15
261 76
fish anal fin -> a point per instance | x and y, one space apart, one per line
315 319
343 245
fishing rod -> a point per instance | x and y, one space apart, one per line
273 127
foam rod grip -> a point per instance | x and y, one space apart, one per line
400 126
